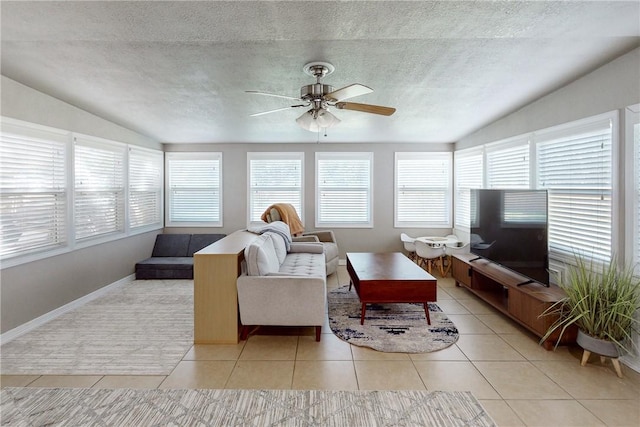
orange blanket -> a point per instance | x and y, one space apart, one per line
288 215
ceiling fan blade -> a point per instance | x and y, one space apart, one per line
350 91
257 92
278 109
366 108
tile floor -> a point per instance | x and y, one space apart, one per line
516 380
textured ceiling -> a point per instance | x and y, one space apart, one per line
177 70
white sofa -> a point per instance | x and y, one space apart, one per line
284 283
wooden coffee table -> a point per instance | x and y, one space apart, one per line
389 278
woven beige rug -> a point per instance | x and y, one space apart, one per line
125 407
143 327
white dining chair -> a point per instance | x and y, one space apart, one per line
409 245
429 257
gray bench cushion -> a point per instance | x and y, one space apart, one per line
171 245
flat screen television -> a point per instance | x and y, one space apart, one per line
509 227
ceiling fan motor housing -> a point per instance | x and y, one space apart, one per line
315 91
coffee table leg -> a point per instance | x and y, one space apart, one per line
364 310
426 311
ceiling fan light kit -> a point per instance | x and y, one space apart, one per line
320 97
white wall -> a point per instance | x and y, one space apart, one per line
30 290
611 87
382 238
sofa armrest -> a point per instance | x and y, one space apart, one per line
304 238
322 235
282 300
308 247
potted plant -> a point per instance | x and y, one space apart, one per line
602 302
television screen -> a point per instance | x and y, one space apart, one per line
509 227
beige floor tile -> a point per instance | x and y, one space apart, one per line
130 381
501 324
620 413
520 380
450 353
83 381
324 375
450 306
528 346
330 347
270 347
487 347
477 306
544 413
199 374
593 381
469 324
443 294
387 375
365 353
501 413
455 376
261 374
458 292
17 380
215 351
445 282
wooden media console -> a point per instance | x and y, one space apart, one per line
498 286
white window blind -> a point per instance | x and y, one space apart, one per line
274 178
145 187
575 165
636 180
344 190
508 165
423 190
99 187
33 191
468 172
194 189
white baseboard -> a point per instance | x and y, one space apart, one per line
632 363
47 317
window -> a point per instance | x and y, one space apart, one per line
145 188
99 187
194 189
468 171
423 190
274 178
574 163
508 164
344 184
632 185
33 193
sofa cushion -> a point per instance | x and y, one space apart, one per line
166 263
201 241
171 245
303 264
260 257
279 245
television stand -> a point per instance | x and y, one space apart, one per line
502 289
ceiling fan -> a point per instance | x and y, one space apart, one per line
320 97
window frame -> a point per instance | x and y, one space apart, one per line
171 156
632 186
429 158
344 156
458 156
274 157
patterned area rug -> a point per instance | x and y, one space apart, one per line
143 327
395 328
125 407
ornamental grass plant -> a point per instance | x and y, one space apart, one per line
602 300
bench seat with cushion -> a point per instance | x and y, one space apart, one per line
282 287
172 256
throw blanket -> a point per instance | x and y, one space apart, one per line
277 227
287 214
